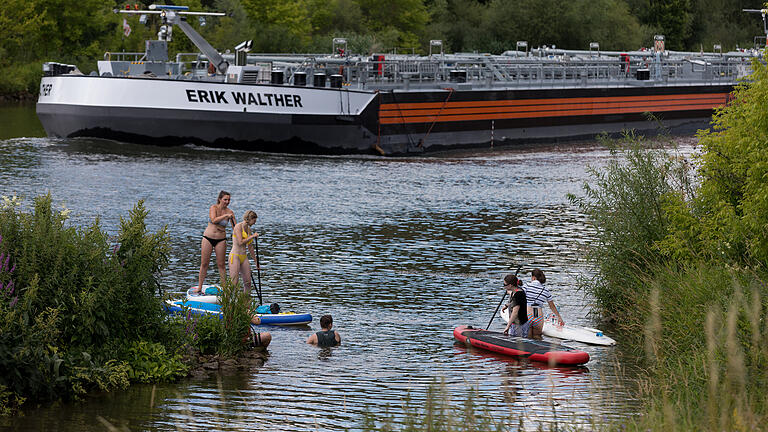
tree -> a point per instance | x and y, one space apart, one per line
724 22
281 23
570 25
404 19
671 18
455 22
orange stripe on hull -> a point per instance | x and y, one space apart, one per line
554 112
641 106
552 101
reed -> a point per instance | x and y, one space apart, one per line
237 308
706 369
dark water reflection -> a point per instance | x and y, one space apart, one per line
398 250
19 120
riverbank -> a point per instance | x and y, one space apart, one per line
22 96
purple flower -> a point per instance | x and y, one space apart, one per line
7 260
13 268
1 286
9 287
13 302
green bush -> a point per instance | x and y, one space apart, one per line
84 374
9 401
706 350
625 205
726 219
151 362
70 296
208 333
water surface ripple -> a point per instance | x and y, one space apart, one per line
400 251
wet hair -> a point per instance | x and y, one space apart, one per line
250 214
509 279
222 194
326 321
539 275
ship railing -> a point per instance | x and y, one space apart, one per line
486 69
196 62
124 56
571 72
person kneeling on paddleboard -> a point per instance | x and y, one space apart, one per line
518 315
326 337
537 294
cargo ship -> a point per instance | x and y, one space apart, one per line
388 104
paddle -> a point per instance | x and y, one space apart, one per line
500 302
258 271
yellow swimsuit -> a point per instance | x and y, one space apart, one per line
240 257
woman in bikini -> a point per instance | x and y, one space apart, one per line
215 238
242 238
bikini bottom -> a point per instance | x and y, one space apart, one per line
214 242
241 258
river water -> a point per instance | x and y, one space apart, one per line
398 250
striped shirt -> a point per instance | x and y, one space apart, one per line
537 294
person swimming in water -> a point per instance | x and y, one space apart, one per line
242 239
326 337
215 238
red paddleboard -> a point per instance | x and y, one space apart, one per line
533 350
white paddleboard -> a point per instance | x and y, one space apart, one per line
569 332
209 294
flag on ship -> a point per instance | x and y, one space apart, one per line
126 28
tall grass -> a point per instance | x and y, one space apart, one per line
439 414
708 366
696 318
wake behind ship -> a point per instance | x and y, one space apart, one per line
390 104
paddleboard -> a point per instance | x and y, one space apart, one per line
569 332
533 350
209 294
202 308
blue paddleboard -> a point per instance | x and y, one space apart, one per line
202 308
